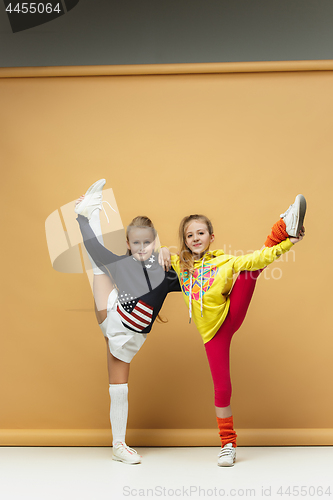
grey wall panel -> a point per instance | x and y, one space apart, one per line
173 31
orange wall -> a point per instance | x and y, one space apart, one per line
237 147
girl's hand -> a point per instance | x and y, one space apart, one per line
164 258
79 200
301 236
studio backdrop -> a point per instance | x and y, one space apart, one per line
236 142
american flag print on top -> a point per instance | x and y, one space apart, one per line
135 315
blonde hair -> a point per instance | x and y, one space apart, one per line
186 258
143 222
140 222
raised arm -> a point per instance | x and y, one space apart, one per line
101 255
261 258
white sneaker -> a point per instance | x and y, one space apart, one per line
227 456
123 453
294 216
92 199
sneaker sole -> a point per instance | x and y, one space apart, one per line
226 464
302 210
85 202
125 461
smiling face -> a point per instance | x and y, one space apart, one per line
197 238
141 242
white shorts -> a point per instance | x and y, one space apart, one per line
123 343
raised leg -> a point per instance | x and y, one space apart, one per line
102 287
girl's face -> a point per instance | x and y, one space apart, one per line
141 242
197 238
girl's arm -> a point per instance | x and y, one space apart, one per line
173 281
101 255
267 255
261 258
301 236
164 258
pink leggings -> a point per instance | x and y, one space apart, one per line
218 347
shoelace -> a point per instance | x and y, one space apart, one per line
226 451
287 211
106 215
293 222
98 197
127 448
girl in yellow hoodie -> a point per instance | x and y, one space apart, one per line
206 279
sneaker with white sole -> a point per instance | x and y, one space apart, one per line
92 200
227 456
294 216
123 453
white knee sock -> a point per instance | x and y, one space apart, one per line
95 224
118 411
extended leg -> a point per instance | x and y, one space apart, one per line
93 240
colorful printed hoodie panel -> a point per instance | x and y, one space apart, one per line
211 282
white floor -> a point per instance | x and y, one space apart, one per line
89 473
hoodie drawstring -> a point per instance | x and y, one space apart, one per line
190 301
201 292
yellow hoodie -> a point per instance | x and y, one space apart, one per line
212 281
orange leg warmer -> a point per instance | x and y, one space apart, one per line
278 234
226 430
